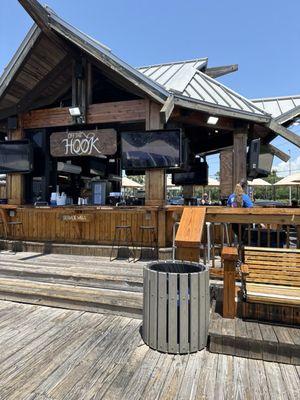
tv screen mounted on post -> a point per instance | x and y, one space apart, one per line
151 149
15 156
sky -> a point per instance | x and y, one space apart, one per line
262 37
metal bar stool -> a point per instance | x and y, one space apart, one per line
118 242
152 237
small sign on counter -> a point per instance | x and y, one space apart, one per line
75 217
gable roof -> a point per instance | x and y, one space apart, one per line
278 105
187 79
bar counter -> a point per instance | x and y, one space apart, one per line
96 224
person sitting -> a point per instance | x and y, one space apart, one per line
205 200
239 199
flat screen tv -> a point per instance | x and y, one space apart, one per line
151 149
196 176
15 156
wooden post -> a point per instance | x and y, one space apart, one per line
226 173
15 183
240 154
229 257
155 180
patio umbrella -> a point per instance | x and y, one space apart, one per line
129 183
290 180
259 182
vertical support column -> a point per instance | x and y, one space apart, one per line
155 180
240 137
229 258
15 182
226 173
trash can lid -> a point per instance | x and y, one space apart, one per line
176 267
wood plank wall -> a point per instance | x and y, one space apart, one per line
47 224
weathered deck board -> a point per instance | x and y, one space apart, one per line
59 354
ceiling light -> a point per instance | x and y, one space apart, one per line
75 111
216 131
212 120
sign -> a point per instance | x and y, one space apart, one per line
75 217
96 143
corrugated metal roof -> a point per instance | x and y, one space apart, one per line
277 106
186 79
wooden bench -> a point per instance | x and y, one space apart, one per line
271 284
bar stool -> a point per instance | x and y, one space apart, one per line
117 241
150 233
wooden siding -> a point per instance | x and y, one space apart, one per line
119 111
40 224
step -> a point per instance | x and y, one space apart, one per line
73 276
120 302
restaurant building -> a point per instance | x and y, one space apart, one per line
68 109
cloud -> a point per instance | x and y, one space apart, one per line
282 168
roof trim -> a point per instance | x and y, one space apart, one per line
276 98
213 109
288 115
204 59
19 56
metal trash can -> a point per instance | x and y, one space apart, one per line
176 306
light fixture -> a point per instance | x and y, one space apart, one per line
216 131
70 168
212 120
75 112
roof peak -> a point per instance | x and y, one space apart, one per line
194 60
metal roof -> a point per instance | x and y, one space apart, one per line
185 78
276 106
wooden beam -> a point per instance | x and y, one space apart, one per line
229 258
15 183
215 72
284 132
37 12
240 155
226 172
288 116
278 153
198 118
167 109
219 110
155 180
120 111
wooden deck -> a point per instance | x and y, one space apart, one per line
52 354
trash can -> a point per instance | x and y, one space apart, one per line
176 306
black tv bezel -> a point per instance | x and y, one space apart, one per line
30 157
153 168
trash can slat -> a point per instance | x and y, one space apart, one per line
183 313
172 314
153 310
146 306
202 310
194 311
162 312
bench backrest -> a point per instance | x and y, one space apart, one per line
272 266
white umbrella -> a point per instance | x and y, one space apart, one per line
259 182
213 182
291 180
126 182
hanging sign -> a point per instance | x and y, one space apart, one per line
96 143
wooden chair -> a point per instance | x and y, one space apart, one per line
271 284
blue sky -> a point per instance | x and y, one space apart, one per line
261 36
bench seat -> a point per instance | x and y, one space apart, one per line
285 295
271 278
